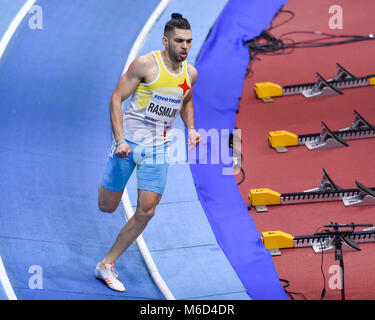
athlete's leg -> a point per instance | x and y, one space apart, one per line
146 205
115 177
108 200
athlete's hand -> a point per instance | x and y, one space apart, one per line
194 138
123 150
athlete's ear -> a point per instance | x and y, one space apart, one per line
165 41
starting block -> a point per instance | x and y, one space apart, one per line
342 80
282 138
276 240
359 129
327 191
366 197
266 90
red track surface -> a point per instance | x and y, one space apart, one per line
300 169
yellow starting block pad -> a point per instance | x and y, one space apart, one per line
264 197
372 81
282 138
268 90
277 240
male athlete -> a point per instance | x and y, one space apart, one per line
160 83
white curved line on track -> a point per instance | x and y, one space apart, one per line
3 45
14 25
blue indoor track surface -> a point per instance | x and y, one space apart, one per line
55 86
9 9
55 133
55 101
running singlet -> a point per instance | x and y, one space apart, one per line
154 106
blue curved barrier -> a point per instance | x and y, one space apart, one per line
222 64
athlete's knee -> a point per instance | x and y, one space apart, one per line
143 213
107 208
108 201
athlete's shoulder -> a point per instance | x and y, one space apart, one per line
144 62
193 72
142 65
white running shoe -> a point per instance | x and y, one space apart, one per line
109 275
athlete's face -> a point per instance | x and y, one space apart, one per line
178 44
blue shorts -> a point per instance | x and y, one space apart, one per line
152 168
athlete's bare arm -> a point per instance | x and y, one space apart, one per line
187 110
139 70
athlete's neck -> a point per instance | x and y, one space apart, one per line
174 66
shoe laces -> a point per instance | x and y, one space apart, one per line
112 270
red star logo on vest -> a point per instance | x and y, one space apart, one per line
184 86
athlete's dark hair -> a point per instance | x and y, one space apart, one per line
178 22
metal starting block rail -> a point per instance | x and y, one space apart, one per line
359 129
327 191
276 240
322 87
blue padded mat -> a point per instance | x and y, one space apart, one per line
222 64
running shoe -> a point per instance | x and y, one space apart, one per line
109 275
